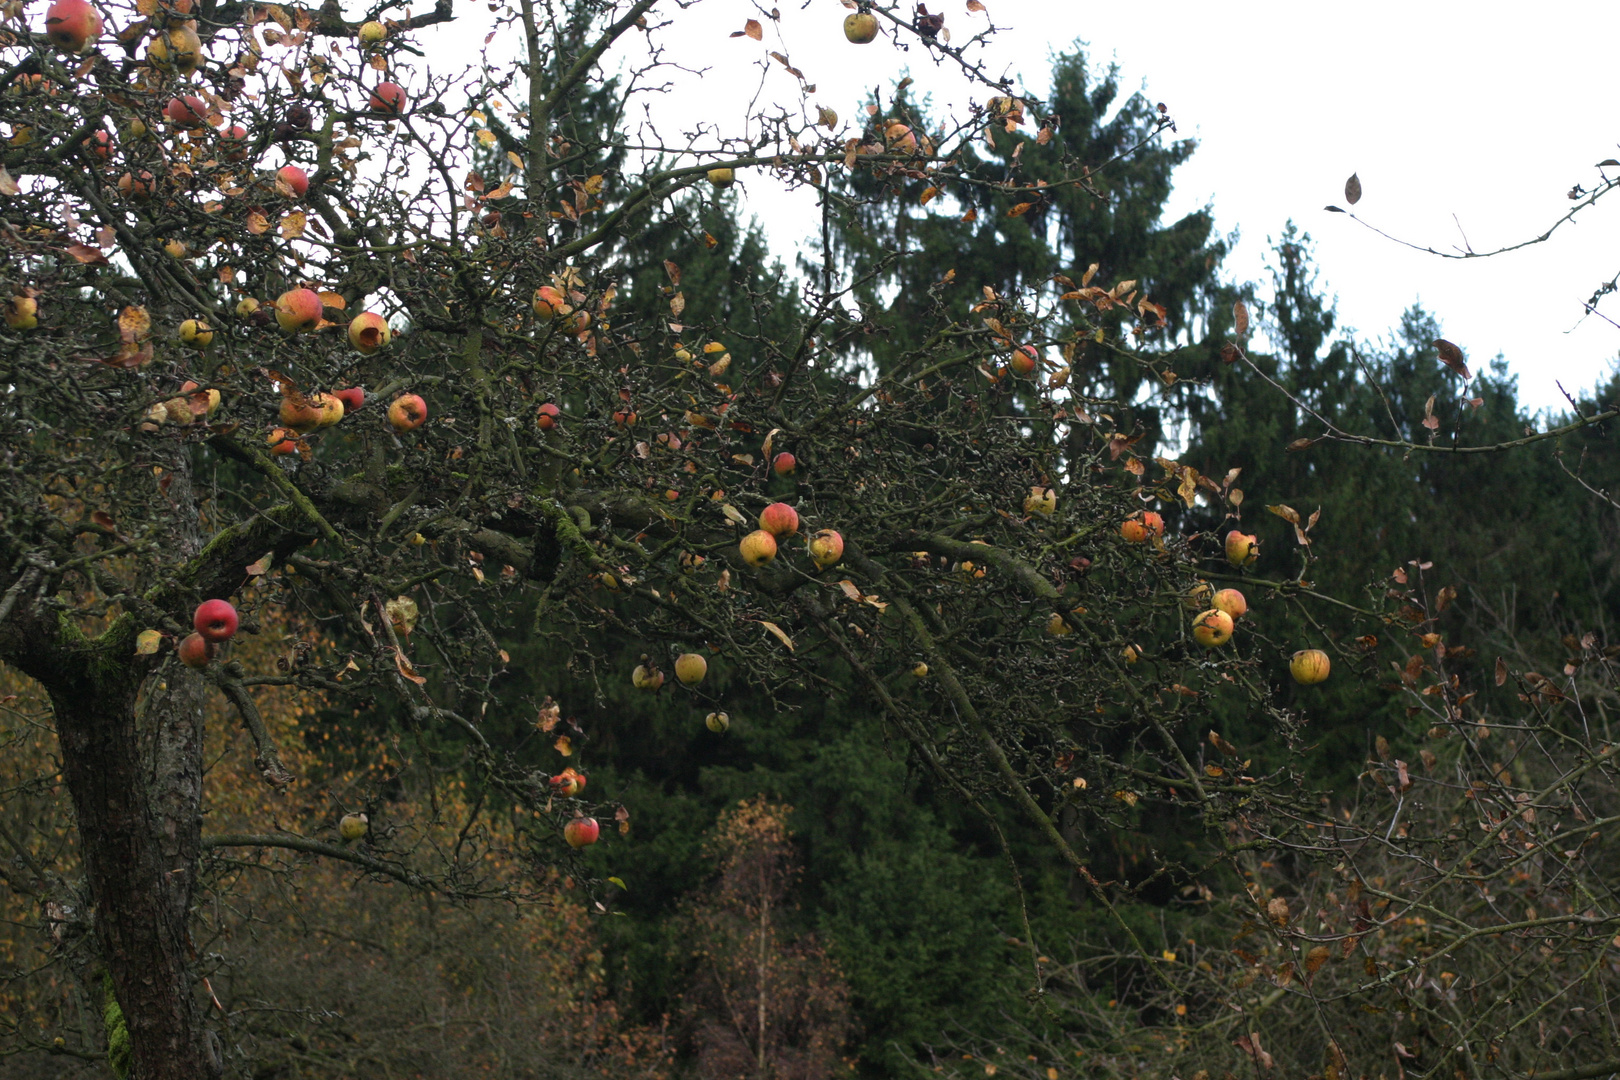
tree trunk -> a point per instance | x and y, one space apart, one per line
140 858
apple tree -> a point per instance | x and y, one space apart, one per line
279 359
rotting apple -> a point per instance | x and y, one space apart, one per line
407 413
1242 549
353 826
646 677
369 332
1040 500
353 398
371 33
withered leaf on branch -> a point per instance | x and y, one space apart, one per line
1452 357
1352 189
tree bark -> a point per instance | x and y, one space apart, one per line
140 859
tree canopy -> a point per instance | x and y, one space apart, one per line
414 478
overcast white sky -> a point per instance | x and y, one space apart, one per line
1486 113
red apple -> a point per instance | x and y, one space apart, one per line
1024 360
295 178
353 398
282 442
549 417
758 548
136 186
369 332
215 620
190 110
407 413
581 832
784 464
196 651
388 99
72 25
98 145
298 309
235 139
826 548
779 519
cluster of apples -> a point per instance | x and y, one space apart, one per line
779 521
690 669
1213 626
192 406
552 304
298 310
